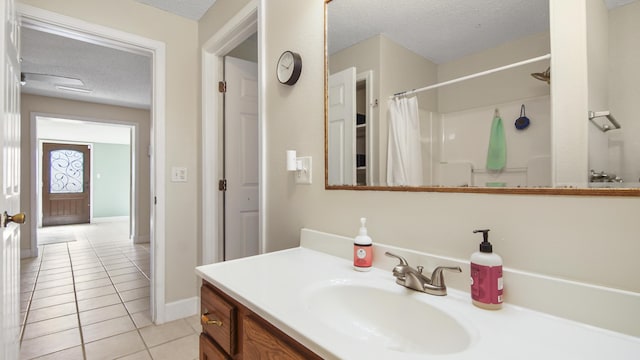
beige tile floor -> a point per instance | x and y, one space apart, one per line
86 296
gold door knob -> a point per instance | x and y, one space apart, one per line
19 218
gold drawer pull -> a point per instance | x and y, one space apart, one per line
205 320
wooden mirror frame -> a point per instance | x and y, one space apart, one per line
443 189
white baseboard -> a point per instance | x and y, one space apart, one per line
181 309
141 239
109 219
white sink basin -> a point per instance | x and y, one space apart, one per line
394 319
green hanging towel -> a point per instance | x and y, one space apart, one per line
497 154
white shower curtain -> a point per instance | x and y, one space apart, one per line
404 154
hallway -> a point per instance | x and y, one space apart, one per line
87 297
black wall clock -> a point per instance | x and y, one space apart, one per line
289 68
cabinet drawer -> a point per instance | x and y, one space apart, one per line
218 318
261 340
209 350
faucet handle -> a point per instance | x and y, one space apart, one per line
403 261
400 270
437 279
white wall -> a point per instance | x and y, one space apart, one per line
465 134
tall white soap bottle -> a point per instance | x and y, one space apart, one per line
486 276
362 249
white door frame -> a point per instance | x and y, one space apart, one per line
245 23
73 27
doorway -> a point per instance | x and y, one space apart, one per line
155 50
241 215
239 28
114 183
66 182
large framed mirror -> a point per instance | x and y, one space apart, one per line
455 97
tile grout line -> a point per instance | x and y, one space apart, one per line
75 296
136 265
120 296
33 290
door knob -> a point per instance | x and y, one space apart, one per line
18 218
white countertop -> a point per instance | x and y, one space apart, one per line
273 286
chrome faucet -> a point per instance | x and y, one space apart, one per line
416 280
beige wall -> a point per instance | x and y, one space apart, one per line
598 76
33 104
217 16
569 134
182 142
624 92
563 236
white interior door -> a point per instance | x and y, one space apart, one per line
342 126
10 197
241 159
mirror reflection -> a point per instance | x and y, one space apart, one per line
439 136
481 117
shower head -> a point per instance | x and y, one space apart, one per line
543 76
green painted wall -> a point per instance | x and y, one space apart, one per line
111 179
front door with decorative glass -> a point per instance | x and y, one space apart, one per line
65 184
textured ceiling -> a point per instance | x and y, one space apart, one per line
112 76
438 30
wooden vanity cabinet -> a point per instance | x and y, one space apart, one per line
232 331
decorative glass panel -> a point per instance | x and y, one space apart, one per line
67 171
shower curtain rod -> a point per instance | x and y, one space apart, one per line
472 76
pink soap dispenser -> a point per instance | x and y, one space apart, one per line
362 249
486 276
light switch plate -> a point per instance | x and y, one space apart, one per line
304 176
178 174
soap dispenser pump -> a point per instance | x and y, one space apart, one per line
362 249
486 275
